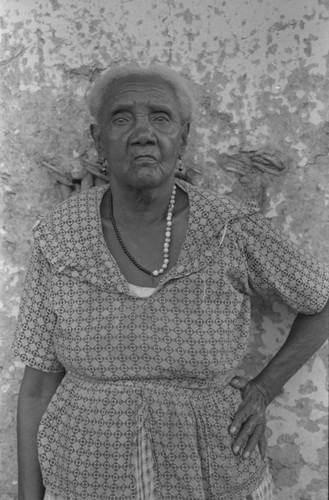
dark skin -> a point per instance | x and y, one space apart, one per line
141 134
36 391
136 210
146 245
306 336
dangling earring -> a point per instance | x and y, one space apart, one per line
180 166
104 166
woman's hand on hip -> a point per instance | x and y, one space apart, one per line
249 422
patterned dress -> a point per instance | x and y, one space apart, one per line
145 405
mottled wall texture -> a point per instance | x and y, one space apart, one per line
258 69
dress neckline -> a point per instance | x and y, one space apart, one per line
108 257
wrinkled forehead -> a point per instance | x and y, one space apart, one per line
142 88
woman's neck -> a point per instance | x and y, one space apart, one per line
145 206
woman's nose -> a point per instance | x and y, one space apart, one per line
143 131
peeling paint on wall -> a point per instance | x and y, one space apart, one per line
261 87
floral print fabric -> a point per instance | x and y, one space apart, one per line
151 375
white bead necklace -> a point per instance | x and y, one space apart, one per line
166 245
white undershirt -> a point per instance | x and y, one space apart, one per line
140 291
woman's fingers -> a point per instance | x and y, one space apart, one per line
239 382
239 418
257 437
249 422
262 443
248 437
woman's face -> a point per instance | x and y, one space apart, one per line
141 133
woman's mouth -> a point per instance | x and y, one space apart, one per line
145 159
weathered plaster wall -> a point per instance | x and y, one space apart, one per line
259 68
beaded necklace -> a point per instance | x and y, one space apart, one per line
166 245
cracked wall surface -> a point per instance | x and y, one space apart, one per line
259 73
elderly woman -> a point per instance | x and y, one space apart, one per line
136 315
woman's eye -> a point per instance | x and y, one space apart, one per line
120 120
161 118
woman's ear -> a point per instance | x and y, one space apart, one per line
96 135
184 137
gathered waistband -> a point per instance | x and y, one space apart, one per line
181 387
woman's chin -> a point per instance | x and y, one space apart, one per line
147 178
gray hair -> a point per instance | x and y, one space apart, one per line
101 88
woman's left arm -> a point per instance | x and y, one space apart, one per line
306 336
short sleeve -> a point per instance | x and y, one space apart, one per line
33 342
278 268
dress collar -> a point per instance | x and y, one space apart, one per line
82 248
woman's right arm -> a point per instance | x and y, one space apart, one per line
35 394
